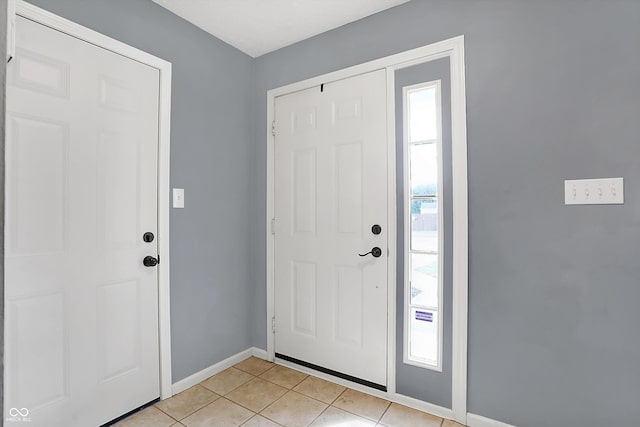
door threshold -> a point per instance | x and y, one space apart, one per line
332 372
128 414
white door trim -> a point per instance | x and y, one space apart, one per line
453 49
55 22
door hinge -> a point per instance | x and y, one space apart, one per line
273 128
273 226
273 324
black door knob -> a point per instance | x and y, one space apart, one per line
148 237
376 252
376 229
150 261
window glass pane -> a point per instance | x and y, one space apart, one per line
424 280
424 225
424 169
422 115
423 338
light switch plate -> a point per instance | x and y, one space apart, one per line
605 191
178 198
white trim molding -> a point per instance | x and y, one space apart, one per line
11 29
259 353
55 22
474 420
454 50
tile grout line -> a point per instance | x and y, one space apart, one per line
359 415
385 411
255 413
202 407
265 380
320 414
230 391
272 382
170 416
301 394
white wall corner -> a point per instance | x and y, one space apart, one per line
474 420
11 29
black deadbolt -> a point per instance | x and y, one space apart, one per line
376 229
148 237
150 261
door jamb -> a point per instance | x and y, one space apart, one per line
63 25
453 49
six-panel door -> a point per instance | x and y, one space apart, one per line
81 309
330 189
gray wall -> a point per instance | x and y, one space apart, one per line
425 384
210 157
552 93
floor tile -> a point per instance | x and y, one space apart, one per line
177 425
149 417
319 389
260 421
294 410
284 376
221 413
226 381
402 416
361 404
254 366
257 394
187 402
449 423
334 417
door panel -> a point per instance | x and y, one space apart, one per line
82 310
330 188
39 177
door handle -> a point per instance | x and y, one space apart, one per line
376 252
150 261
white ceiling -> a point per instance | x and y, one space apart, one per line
257 27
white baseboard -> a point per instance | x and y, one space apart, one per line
420 405
202 375
259 353
474 420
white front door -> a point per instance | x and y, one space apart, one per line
330 192
81 326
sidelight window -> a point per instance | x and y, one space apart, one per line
423 225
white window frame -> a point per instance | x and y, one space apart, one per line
407 143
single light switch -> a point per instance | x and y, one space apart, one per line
606 191
178 197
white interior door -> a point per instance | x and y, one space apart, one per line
81 327
330 190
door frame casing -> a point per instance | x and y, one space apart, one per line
65 26
454 50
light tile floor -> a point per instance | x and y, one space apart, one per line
257 393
